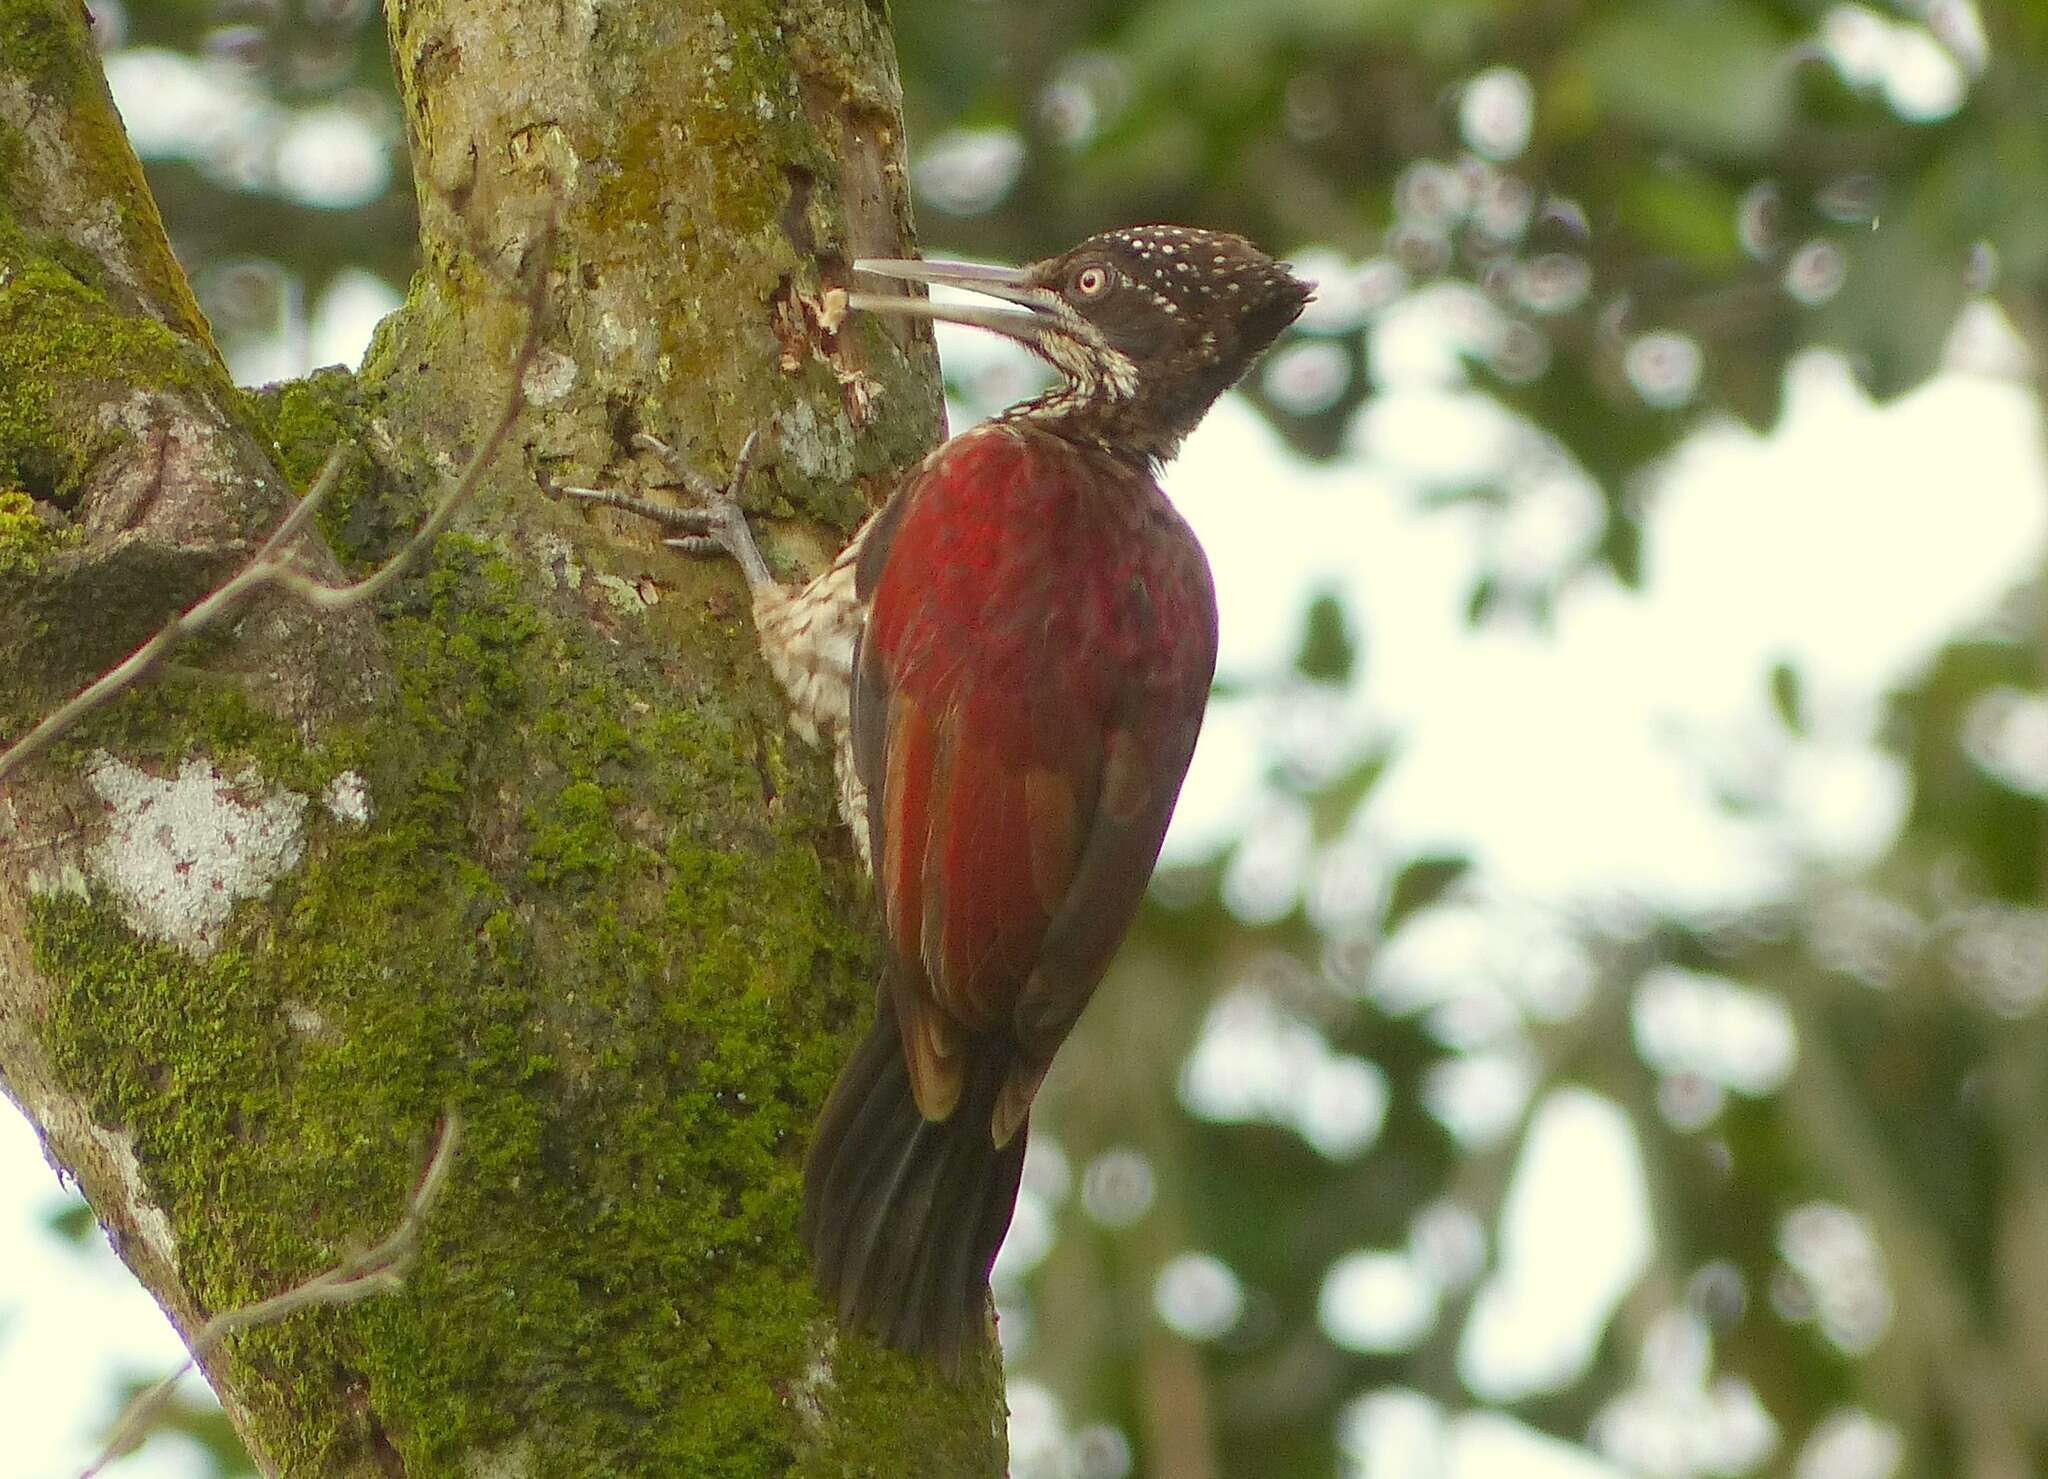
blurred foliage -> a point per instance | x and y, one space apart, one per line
191 1414
72 1221
1329 653
1640 213
1655 204
231 188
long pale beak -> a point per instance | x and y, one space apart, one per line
1011 284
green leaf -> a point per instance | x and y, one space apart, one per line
2019 231
1787 694
1331 808
1420 884
1621 546
1684 213
1162 39
1480 601
1908 275
73 1222
1897 306
1715 78
1328 652
192 1412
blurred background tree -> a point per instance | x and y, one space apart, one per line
1383 1152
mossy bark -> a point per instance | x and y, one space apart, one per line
531 838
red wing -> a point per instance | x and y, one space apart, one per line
1110 876
1114 866
1020 772
975 847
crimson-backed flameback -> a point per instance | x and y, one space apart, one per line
1010 662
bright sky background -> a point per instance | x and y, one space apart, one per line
1578 767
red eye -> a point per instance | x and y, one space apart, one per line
1091 282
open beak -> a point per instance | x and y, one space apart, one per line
1011 284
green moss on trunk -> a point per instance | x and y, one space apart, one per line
26 536
85 382
61 342
602 902
634 977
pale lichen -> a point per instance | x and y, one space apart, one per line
809 1394
626 597
141 1213
551 376
347 798
820 448
180 853
556 562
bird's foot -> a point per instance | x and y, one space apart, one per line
718 525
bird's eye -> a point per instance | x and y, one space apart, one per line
1092 281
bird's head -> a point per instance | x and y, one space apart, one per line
1147 325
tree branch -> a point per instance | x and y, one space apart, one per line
271 566
378 1269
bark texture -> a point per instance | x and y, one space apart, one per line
530 838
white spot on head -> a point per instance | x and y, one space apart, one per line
180 854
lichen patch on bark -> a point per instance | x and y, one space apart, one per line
551 377
181 852
347 799
144 1219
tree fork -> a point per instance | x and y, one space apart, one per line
528 837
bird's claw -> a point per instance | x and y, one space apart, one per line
718 525
647 441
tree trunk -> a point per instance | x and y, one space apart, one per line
529 837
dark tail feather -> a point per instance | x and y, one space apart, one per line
902 1215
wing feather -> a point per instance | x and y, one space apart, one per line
1053 823
1019 782
906 802
1110 875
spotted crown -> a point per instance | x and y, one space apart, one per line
1162 319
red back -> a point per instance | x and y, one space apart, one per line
1038 653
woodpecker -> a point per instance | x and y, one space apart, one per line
1010 663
